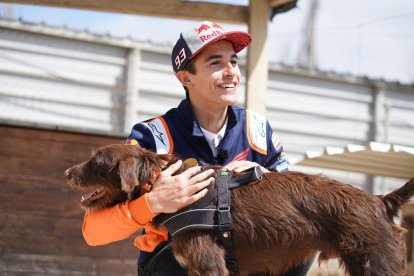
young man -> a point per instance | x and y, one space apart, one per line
206 128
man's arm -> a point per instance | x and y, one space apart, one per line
117 222
170 194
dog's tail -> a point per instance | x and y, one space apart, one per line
396 199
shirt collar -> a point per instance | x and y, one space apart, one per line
214 139
186 114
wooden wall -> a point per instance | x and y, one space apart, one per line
40 219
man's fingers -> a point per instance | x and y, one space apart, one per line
200 185
201 176
173 168
197 196
244 167
239 166
233 165
191 172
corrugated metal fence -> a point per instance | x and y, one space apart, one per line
97 83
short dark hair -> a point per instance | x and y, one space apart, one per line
190 67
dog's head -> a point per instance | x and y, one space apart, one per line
113 174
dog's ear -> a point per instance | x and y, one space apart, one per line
128 169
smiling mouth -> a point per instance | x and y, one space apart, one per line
227 85
92 196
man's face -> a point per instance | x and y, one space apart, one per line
217 76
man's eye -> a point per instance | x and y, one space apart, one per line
234 62
215 62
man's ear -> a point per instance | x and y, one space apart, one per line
128 173
184 78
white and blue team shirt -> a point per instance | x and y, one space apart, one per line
248 136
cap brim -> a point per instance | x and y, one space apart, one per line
240 40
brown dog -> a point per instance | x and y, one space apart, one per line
278 222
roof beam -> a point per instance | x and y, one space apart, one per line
277 3
163 8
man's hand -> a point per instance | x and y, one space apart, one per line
239 166
172 193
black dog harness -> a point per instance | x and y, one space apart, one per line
216 217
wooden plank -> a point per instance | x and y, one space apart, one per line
8 180
13 203
55 197
25 166
29 223
33 150
163 8
41 201
44 183
55 150
55 135
277 3
61 245
22 264
257 57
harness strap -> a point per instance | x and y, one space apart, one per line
211 195
224 217
249 175
223 200
199 218
219 218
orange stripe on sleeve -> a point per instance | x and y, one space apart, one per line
249 137
170 140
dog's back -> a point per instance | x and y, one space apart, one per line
286 218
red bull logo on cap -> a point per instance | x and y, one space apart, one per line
215 25
207 30
202 28
213 34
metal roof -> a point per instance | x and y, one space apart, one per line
376 159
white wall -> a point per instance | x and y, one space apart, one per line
60 81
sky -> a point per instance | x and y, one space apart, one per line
370 38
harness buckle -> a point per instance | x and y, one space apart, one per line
224 219
223 209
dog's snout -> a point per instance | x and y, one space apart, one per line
67 173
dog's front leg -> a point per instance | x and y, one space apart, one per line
200 254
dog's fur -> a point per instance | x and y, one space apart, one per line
278 222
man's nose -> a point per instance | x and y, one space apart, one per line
229 70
